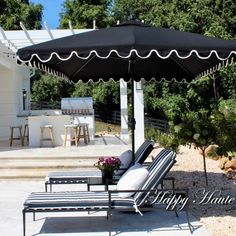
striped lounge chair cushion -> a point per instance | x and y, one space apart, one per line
80 200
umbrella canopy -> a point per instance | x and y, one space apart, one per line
131 51
106 53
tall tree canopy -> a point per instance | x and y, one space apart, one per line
215 17
82 13
14 11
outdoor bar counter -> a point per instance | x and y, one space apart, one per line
57 121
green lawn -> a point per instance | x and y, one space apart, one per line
106 128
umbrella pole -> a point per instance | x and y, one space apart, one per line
133 122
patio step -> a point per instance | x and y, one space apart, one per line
39 167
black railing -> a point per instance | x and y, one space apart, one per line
44 105
113 117
156 123
108 116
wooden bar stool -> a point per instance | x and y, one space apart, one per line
85 132
49 128
26 133
20 137
73 133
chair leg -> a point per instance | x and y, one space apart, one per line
176 214
21 137
65 136
85 140
26 133
33 216
41 137
189 225
52 136
76 134
79 133
24 228
11 138
109 220
87 133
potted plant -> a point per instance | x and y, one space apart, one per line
107 165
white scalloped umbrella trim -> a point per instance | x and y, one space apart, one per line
225 61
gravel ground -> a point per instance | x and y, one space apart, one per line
188 172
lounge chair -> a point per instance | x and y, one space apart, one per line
80 177
101 201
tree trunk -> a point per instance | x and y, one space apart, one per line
204 163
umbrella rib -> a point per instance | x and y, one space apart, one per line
183 67
77 71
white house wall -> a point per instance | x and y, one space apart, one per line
12 82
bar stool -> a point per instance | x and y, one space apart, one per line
50 130
71 128
12 128
85 134
26 133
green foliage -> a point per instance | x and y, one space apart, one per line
215 18
82 13
105 95
82 90
167 140
196 127
50 88
224 120
14 11
228 109
226 82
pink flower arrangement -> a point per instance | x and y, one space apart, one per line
108 163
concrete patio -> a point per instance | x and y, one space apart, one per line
13 194
102 145
35 163
14 191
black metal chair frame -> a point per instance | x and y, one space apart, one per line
110 208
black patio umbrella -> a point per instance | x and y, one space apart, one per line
132 51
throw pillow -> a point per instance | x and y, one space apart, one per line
133 179
126 159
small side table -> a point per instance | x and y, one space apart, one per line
99 181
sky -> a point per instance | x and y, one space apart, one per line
51 11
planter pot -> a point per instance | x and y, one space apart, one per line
107 175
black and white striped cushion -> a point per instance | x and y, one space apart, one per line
156 174
100 200
143 151
80 200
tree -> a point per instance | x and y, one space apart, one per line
224 119
82 13
195 128
50 89
106 95
14 11
215 18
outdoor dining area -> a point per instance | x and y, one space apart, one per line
72 124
